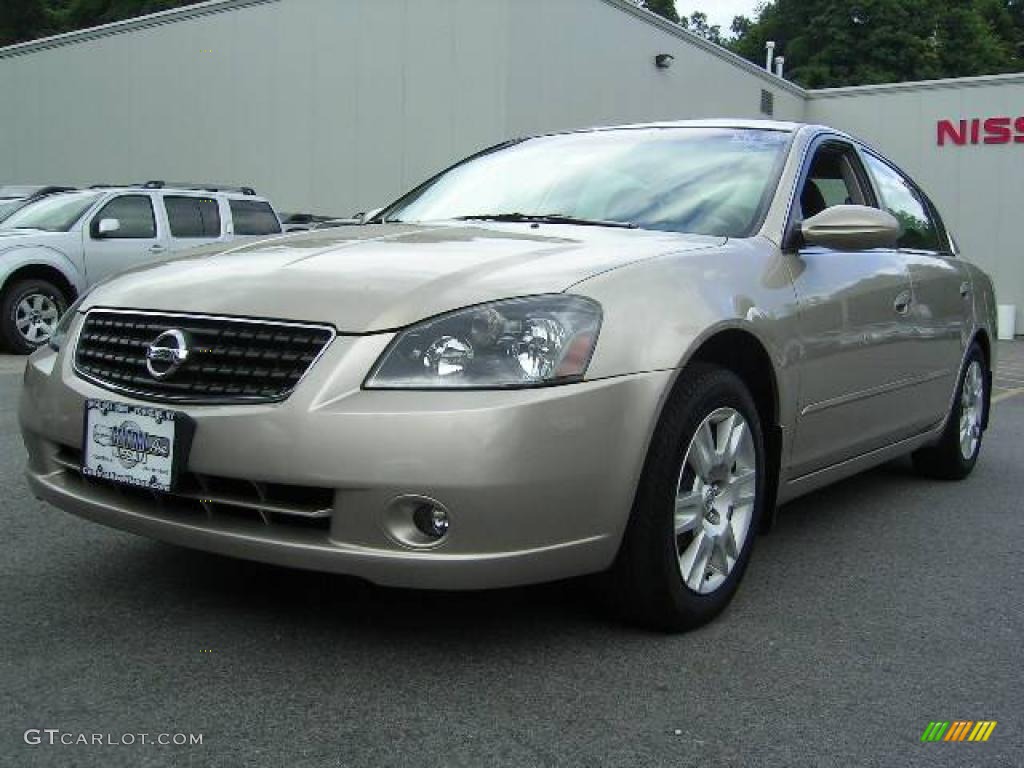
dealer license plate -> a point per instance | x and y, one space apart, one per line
131 444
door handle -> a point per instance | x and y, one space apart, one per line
965 290
902 303
156 249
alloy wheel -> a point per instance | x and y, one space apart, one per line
715 498
972 403
36 318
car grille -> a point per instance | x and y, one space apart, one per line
229 359
216 498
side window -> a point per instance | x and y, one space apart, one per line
904 202
832 180
134 213
192 216
254 218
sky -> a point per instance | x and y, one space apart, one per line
719 12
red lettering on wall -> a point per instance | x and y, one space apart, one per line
997 130
948 131
991 130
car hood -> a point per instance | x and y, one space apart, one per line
365 279
12 238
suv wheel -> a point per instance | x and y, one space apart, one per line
30 311
698 506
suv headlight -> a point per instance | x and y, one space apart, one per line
528 342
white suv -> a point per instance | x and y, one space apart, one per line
55 248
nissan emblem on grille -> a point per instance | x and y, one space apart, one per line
166 354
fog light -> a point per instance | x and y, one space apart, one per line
416 521
431 521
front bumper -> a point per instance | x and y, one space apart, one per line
538 483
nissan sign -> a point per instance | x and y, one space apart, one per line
992 130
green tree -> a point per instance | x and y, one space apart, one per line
664 8
22 20
76 14
698 24
837 42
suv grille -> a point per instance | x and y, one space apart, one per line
229 359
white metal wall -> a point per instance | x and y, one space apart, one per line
335 106
977 188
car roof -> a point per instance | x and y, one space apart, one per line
764 125
233 195
782 126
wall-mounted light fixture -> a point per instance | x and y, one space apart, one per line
664 60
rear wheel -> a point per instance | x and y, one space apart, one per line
956 453
30 311
698 505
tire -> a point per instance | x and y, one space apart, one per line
21 331
956 453
659 545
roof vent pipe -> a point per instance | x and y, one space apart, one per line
770 48
780 65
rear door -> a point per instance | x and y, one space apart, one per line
193 220
855 329
942 301
139 238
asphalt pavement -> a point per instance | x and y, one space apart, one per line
875 607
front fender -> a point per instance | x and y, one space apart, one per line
17 257
659 312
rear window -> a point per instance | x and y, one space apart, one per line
254 218
193 216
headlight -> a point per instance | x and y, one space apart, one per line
528 342
61 330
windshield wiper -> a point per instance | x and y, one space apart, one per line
547 218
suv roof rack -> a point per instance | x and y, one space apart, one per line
186 185
195 186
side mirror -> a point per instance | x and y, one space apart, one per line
107 227
852 228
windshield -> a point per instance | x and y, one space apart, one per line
709 181
56 213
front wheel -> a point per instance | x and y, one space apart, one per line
698 505
956 453
30 311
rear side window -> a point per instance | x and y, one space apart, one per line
135 215
902 200
193 216
254 218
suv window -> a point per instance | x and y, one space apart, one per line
192 216
254 218
900 198
135 212
832 180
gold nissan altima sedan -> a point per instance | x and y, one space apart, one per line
607 351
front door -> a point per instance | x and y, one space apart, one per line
855 329
136 239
